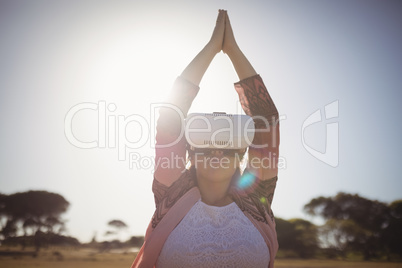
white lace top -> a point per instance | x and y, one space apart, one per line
210 236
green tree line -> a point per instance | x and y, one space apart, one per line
354 225
34 218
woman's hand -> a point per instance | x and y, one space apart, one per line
241 64
229 42
216 41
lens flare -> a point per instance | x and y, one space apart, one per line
246 181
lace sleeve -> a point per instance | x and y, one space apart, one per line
257 103
262 167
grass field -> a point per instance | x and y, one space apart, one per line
88 259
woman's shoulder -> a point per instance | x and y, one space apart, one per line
254 196
167 196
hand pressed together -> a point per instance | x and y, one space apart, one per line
222 38
229 42
216 41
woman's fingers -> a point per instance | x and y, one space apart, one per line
221 16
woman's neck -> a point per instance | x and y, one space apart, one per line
214 193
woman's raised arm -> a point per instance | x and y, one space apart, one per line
257 103
197 67
243 67
170 159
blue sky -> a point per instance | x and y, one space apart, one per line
125 55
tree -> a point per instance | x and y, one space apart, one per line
343 235
354 223
136 241
31 211
285 234
3 216
392 234
117 226
9 229
298 236
30 226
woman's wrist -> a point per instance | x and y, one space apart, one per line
197 67
212 48
241 64
233 51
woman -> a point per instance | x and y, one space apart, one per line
206 217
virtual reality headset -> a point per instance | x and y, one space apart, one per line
219 130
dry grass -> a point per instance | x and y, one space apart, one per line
333 264
63 258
